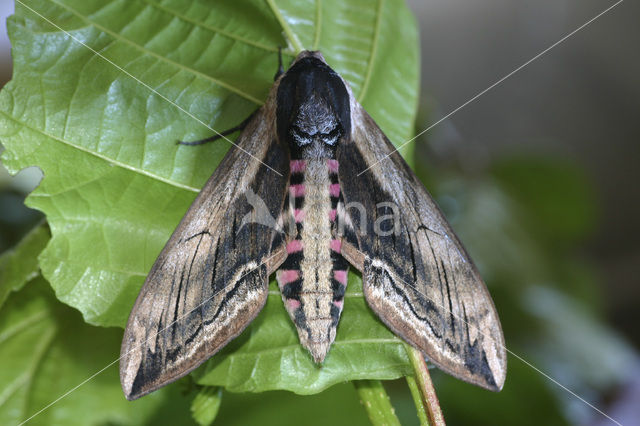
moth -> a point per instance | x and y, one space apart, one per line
340 195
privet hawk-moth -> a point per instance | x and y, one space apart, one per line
311 187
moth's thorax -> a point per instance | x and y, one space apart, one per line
315 151
313 278
315 124
315 116
313 106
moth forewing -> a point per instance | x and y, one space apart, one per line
211 279
420 281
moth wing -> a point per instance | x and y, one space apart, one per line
211 279
417 277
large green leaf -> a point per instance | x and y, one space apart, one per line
339 405
115 182
268 354
47 350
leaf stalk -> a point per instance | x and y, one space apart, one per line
376 402
428 406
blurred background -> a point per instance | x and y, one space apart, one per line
578 103
539 177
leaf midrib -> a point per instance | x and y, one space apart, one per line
45 346
372 53
293 38
318 28
42 346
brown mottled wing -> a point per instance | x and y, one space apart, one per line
211 279
418 278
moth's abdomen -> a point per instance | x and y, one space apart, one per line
313 278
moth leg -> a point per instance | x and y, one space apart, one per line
220 135
280 68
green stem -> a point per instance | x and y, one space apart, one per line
376 402
206 405
417 400
429 400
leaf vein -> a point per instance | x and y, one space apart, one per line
103 157
211 27
26 322
144 50
316 39
372 55
45 344
293 38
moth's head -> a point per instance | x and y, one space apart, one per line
312 111
309 54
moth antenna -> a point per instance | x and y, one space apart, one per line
280 68
221 135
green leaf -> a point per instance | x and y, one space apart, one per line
376 402
417 400
47 350
116 184
336 406
19 265
206 404
268 355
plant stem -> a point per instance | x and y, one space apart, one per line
417 400
429 399
376 402
206 404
